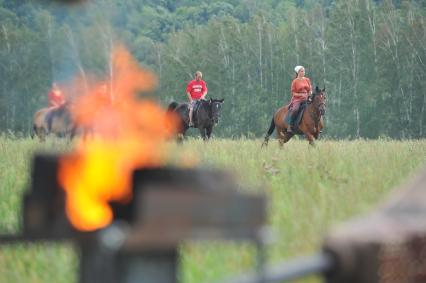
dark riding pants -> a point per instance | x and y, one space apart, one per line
294 109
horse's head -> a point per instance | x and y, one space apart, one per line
318 100
216 105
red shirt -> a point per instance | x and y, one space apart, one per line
56 98
301 86
196 89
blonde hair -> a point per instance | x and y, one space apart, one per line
198 73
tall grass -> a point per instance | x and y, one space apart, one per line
309 189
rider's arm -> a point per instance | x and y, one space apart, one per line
188 90
310 86
189 96
204 90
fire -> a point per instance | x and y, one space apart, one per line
124 134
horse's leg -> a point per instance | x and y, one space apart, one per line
179 138
316 131
41 133
203 133
269 133
181 135
209 131
287 137
284 137
319 129
317 134
307 129
73 132
280 137
281 142
310 138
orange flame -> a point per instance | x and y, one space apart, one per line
127 134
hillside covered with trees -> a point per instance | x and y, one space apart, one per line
369 55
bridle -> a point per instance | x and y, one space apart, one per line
316 111
212 104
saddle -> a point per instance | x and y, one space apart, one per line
299 115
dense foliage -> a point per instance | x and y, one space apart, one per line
370 56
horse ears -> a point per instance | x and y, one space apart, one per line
221 100
323 90
317 89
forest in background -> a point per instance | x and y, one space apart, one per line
369 55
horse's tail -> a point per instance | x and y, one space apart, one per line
172 106
269 133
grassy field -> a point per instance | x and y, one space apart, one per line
309 189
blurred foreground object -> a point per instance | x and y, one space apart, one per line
168 206
386 246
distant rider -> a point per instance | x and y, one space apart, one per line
56 97
56 100
196 90
301 88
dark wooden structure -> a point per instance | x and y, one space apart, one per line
169 206
386 246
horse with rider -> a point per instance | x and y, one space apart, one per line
198 112
57 119
303 115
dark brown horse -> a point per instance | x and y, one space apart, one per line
310 124
205 118
53 120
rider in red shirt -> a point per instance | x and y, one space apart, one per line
301 88
195 90
56 97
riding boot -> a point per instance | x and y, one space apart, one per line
290 128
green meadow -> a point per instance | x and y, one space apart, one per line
310 189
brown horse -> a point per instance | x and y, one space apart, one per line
53 120
310 124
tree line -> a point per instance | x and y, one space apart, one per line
369 55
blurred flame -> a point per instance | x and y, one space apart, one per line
128 134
